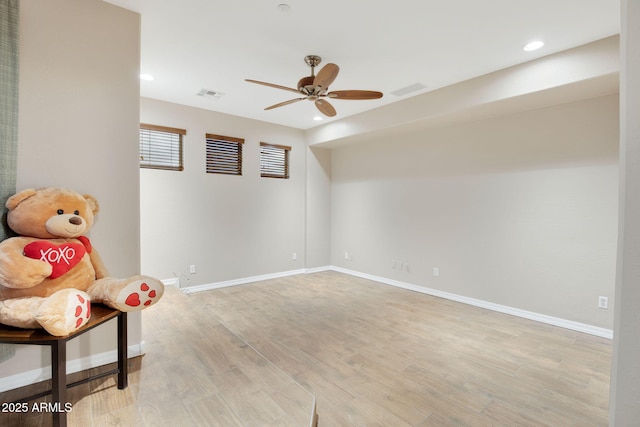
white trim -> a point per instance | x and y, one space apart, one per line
171 282
242 281
543 318
76 365
30 377
317 269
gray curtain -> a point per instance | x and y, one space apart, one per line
9 12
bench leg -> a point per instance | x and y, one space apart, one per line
59 382
122 351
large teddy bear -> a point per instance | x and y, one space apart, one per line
50 273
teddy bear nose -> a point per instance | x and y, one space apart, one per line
75 220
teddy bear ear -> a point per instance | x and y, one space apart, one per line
93 203
16 199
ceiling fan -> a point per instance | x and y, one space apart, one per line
316 88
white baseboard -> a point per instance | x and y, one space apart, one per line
543 318
242 281
30 377
171 282
317 269
76 365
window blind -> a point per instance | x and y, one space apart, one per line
161 147
274 160
224 154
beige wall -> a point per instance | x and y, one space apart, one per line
229 227
78 121
519 210
318 218
625 371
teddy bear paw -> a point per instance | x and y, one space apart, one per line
139 294
64 312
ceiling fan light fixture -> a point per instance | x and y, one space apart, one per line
534 45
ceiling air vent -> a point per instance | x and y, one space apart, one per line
210 93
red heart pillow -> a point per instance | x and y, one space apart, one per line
62 257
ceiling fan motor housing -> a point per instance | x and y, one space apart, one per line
306 86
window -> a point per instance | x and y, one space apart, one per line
274 160
161 147
224 154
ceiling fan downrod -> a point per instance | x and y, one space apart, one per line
312 61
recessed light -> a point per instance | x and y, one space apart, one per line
317 118
147 77
283 7
534 45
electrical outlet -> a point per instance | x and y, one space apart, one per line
436 271
603 302
294 256
192 268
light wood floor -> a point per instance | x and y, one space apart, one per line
371 354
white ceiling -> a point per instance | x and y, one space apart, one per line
188 45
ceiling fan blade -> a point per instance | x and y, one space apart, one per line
326 75
325 108
282 104
354 94
272 85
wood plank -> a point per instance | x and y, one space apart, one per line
371 354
